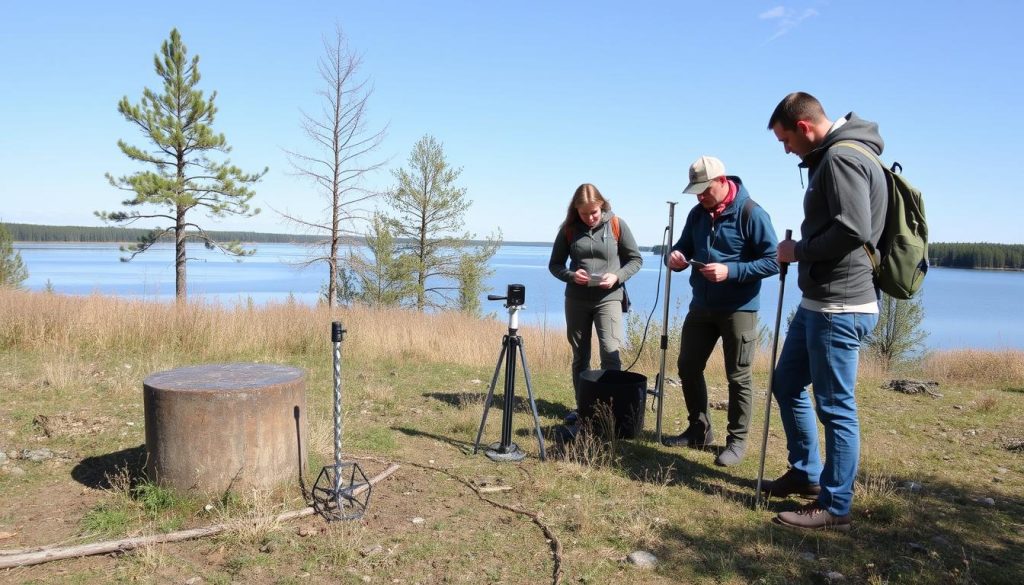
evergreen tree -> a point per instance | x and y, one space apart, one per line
898 336
12 269
430 212
181 177
385 277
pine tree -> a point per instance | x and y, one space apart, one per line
385 277
898 336
12 269
181 178
430 214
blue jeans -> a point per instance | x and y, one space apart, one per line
822 349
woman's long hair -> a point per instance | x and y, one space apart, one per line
585 195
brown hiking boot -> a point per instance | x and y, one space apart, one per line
790 483
813 517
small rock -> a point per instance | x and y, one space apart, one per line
940 540
642 559
1002 470
130 423
208 508
417 520
3 457
997 479
268 547
958 406
476 381
37 455
193 580
12 470
367 579
807 556
987 502
834 577
371 550
918 548
307 531
912 487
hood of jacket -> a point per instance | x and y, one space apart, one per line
855 128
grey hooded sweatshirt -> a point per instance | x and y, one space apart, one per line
596 251
844 208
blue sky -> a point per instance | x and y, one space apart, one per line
531 99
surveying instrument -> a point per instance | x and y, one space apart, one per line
342 491
511 344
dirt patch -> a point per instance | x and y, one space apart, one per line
70 425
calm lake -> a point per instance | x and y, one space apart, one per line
963 308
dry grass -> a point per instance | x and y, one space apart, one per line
413 394
201 332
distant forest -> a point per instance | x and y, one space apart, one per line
27 232
978 255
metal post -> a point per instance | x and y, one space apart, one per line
783 268
660 383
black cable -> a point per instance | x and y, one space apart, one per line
657 294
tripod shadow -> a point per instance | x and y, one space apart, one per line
461 400
464 446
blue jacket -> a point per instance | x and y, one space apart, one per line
749 252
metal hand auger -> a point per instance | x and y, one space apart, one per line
342 491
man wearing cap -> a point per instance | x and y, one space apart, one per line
731 243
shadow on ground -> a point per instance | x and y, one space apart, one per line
943 534
96 471
545 408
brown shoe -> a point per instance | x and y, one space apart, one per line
813 517
790 483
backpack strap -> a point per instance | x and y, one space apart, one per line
868 249
748 208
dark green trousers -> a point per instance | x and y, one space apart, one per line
701 331
582 318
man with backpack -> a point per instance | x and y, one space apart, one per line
730 242
844 214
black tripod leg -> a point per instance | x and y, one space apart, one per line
533 405
490 396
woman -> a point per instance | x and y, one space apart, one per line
602 255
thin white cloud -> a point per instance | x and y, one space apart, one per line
786 19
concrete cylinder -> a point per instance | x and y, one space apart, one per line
221 427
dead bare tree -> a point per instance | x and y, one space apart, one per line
335 162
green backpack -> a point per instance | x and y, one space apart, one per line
901 260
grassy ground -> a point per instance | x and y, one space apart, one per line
71 372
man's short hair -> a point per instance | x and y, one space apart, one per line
795 107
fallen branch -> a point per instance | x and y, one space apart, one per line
47 554
552 539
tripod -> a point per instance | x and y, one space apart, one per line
511 344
